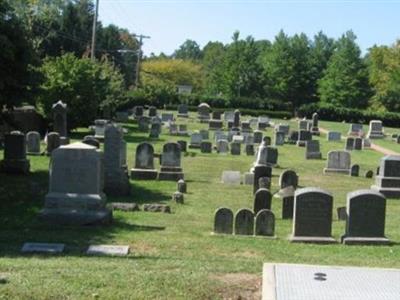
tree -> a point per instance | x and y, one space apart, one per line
16 57
213 65
345 80
188 50
86 86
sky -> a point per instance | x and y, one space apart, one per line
170 22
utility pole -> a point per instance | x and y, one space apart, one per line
96 12
139 56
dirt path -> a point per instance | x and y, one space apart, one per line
375 147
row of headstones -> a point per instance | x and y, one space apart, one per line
375 130
312 218
139 111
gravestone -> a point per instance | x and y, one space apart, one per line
338 162
195 140
334 136
262 200
304 136
355 170
260 171
181 186
167 117
279 138
122 116
355 130
250 149
14 156
236 119
116 179
238 138
33 143
365 224
313 150
49 248
99 128
341 212
183 111
235 148
90 140
76 187
203 111
248 178
387 181
312 220
267 155
144 124
222 146
53 142
215 124
113 250
246 126
229 115
303 125
375 130
182 130
144 163
152 111
263 123
59 110
287 205
358 143
171 163
366 143
219 135
293 137
183 145
216 115
206 147
266 140
231 177
265 223
264 182
257 137
173 129
283 128
349 143
288 178
314 127
244 222
223 221
155 130
138 111
204 134
178 197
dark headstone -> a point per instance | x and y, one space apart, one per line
288 178
250 149
260 171
183 145
15 161
287 206
235 148
355 170
369 174
206 147
244 222
223 221
265 223
262 200
182 187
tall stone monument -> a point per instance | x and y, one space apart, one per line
387 181
15 161
59 110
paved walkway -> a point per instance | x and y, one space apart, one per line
375 147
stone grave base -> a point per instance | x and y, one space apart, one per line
315 131
312 239
387 192
314 155
351 240
194 146
342 171
301 143
170 173
144 174
15 166
183 115
375 135
76 217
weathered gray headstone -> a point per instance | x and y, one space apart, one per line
304 136
183 111
203 111
334 136
265 223
248 178
314 127
91 140
313 150
53 142
279 138
178 197
108 250
223 221
183 145
350 143
258 136
303 125
171 163
100 127
236 119
222 146
358 143
231 177
144 163
375 130
262 200
287 205
264 182
60 118
235 148
152 111
355 130
195 140
260 171
283 128
244 222
182 187
155 130
293 137
167 117
387 181
49 248
204 134
338 162
249 149
33 143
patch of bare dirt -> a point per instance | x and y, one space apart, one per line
240 286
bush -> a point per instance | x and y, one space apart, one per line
333 113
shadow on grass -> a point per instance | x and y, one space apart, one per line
79 135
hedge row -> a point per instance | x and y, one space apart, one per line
339 114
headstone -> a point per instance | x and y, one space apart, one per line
122 116
220 135
334 136
125 206
303 125
266 140
312 220
250 149
248 178
152 111
263 123
244 222
215 124
155 130
313 150
144 163
183 145
288 178
60 118
91 140
350 143
236 119
283 128
304 137
203 111
53 142
355 170
265 223
138 111
264 182
238 139
262 200
42 248
76 187
204 134
266 155
315 128
246 126
287 205
231 177
182 130
260 171
171 163
229 116
366 143
33 143
293 137
178 197
206 147
15 161
356 130
258 136
167 117
112 250
223 221
338 162
387 181
235 148
182 187
279 138
144 124
100 127
222 146
116 179
358 143
183 111
365 224
173 129
375 130
369 174
195 140
342 214
157 208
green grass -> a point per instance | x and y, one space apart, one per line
174 256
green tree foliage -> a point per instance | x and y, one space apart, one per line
188 50
86 86
384 76
16 55
213 65
345 81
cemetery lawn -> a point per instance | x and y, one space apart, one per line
175 256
